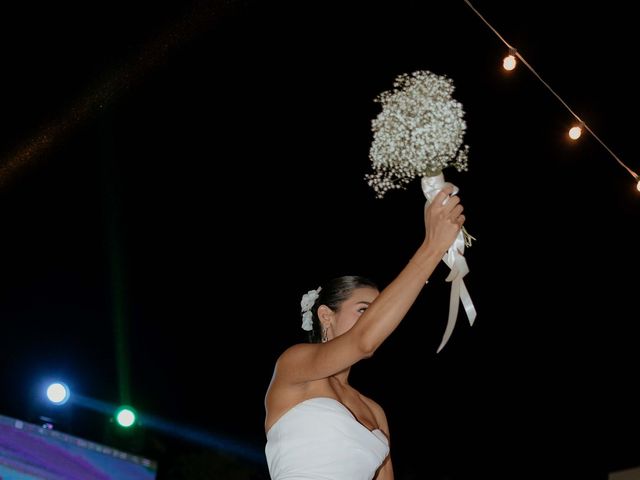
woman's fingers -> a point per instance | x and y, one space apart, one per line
452 202
456 212
442 196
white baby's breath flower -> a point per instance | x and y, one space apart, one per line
418 132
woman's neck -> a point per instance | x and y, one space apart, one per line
342 378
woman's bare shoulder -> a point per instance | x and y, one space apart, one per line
293 352
376 408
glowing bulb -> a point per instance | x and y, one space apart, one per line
125 416
575 133
58 393
509 62
638 186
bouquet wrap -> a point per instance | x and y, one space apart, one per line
454 259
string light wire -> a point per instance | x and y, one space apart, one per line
515 52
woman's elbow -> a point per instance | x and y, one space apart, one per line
367 347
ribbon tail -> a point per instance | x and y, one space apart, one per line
454 259
467 303
454 301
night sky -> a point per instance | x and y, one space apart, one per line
174 177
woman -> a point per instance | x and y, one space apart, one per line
317 425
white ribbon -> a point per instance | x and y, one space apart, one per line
454 258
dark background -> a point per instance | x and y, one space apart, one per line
177 176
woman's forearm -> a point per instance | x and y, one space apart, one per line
389 308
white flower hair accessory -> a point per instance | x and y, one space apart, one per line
307 302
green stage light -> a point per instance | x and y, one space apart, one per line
126 416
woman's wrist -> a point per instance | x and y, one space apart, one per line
427 256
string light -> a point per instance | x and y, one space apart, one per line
576 130
509 62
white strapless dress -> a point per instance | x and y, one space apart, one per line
320 439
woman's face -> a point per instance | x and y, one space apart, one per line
349 312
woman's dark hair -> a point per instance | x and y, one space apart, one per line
333 294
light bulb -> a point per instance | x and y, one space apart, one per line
575 132
58 393
509 62
638 186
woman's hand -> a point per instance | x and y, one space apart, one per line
443 220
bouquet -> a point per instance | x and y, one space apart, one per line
418 133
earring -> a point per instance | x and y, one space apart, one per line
324 335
